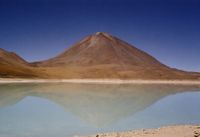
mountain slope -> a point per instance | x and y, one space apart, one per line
97 56
104 56
12 65
102 48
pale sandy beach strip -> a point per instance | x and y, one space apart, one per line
100 81
169 131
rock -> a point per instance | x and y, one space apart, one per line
196 134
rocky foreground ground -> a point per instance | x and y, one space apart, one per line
170 131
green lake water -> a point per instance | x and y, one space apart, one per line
65 110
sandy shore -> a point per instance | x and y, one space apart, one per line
170 131
100 81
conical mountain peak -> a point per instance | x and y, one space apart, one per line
102 35
99 33
100 55
103 49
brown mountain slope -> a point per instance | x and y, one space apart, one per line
11 57
104 56
102 49
97 56
12 65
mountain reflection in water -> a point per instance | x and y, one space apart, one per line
97 104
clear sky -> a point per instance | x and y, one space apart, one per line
167 29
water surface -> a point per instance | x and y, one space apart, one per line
65 110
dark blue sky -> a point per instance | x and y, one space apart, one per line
167 29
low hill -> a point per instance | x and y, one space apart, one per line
12 65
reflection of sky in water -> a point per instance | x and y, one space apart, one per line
42 110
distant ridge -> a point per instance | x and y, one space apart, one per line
101 56
12 65
6 56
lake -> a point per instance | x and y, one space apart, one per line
65 110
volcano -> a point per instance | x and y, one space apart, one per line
102 49
99 56
104 56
